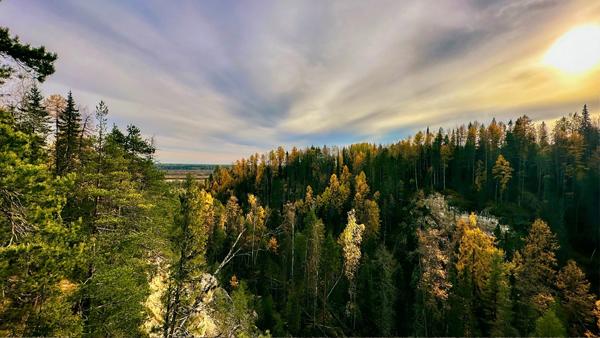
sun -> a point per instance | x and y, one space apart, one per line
576 51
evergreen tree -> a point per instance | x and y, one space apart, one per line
33 118
383 296
497 299
591 134
35 60
67 145
535 274
549 325
37 251
190 236
117 218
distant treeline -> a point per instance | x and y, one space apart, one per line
181 166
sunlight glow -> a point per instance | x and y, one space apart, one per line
576 51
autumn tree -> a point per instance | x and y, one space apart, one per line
476 252
367 210
575 298
350 239
315 230
333 199
55 104
255 222
502 172
433 283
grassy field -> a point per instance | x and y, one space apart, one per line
178 172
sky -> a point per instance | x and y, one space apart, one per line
214 81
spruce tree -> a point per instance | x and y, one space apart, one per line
33 118
535 274
384 294
69 129
496 295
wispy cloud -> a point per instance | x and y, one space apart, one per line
216 80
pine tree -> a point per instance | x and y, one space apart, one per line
38 252
34 60
190 236
116 218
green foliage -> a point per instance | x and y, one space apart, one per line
576 300
502 172
68 138
384 292
37 250
35 59
190 236
33 119
329 241
549 325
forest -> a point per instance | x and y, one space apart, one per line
479 230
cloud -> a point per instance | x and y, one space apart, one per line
217 80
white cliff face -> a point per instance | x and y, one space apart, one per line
154 304
444 216
201 322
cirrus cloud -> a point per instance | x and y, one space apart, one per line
214 81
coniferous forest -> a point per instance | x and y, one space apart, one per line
480 230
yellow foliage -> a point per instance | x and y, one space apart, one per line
273 245
234 281
473 220
350 239
154 303
475 253
433 263
66 286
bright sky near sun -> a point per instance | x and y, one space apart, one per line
217 80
